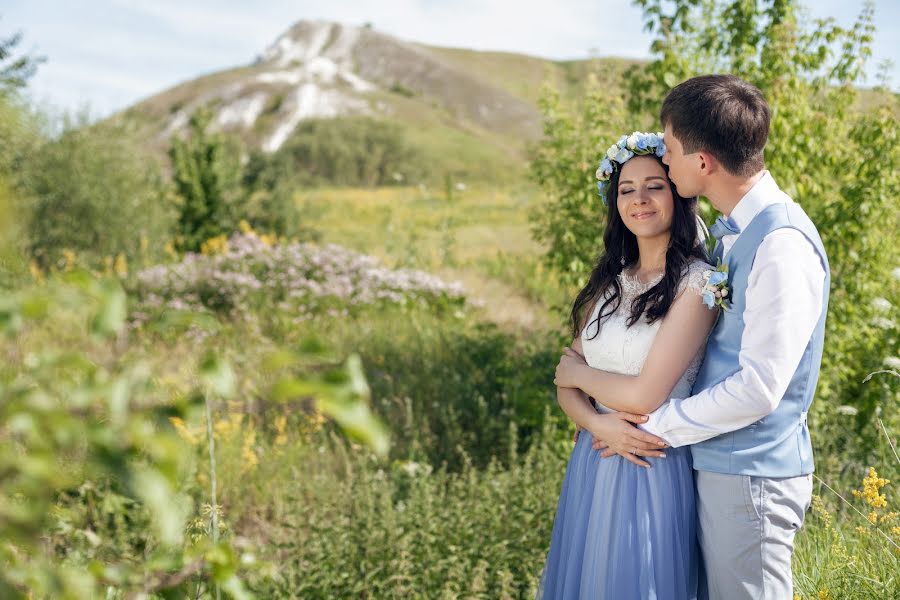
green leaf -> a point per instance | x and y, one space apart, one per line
111 315
217 375
167 507
235 588
358 422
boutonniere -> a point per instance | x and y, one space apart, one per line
715 291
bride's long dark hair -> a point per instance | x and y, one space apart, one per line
619 242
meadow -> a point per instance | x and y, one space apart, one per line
229 374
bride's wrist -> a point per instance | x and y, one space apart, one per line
595 425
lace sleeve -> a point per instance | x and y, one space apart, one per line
693 278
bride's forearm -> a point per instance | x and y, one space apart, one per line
624 393
576 405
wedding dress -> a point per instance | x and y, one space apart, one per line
625 532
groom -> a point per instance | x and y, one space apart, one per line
747 417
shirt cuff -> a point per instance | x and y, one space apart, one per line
652 426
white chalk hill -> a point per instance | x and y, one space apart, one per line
458 103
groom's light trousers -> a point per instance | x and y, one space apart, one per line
746 527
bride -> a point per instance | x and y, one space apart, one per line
625 526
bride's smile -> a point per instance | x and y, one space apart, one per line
645 198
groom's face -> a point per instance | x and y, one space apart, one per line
684 170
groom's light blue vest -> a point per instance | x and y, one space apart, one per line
777 445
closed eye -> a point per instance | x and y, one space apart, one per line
624 192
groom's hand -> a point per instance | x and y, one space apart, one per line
617 432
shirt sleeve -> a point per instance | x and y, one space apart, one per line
783 304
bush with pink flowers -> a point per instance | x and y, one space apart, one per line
303 280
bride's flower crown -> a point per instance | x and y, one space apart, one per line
637 144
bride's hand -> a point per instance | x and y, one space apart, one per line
568 369
617 432
569 351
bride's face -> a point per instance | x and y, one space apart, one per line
645 197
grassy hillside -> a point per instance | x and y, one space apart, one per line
473 114
479 236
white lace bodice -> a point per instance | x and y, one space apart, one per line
618 348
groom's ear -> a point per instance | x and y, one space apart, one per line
708 163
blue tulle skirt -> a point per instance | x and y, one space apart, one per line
623 532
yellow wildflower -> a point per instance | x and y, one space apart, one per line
245 227
224 428
871 491
818 507
280 426
70 259
121 265
215 245
36 271
185 433
890 517
247 451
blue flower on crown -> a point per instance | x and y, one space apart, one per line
637 144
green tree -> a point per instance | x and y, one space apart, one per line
570 224
96 191
836 158
207 176
343 151
15 70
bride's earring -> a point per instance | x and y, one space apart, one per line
622 260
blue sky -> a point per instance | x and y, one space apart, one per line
106 54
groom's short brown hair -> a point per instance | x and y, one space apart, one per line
723 115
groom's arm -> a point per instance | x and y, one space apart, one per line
783 305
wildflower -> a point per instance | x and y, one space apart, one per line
36 271
121 266
183 432
280 426
872 485
248 453
818 507
215 245
69 257
881 304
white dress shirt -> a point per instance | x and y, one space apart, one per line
783 305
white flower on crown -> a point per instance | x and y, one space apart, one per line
637 144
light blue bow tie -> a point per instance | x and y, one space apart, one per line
724 226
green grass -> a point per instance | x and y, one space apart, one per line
479 235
